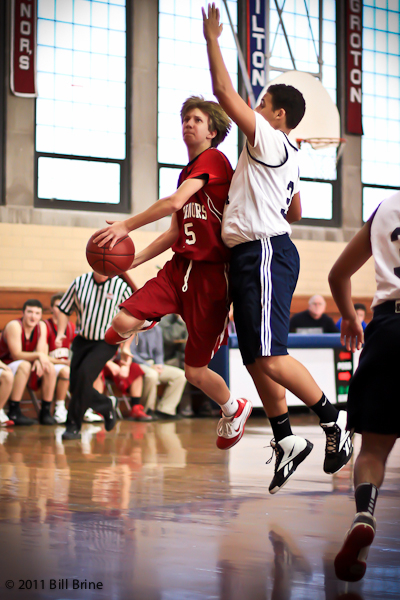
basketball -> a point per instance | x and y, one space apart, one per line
110 262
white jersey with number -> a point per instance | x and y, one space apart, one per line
262 188
385 243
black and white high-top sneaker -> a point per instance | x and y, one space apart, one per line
339 447
290 452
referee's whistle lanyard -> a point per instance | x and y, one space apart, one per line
186 278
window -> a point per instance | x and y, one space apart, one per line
81 117
380 149
182 72
301 21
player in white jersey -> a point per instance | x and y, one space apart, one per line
263 200
373 404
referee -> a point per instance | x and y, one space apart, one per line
96 299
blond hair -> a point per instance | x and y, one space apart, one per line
218 119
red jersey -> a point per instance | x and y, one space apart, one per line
63 352
200 219
27 345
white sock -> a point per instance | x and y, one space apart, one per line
60 403
230 408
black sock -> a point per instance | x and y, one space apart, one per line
45 408
326 412
134 401
366 495
280 426
15 407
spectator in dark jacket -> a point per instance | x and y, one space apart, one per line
313 320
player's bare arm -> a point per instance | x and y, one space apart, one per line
356 253
294 212
160 209
42 348
160 245
14 330
235 107
62 324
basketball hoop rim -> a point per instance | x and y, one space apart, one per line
321 142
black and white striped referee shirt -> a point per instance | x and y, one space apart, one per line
95 303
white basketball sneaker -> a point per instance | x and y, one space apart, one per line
339 447
91 417
60 413
4 420
290 452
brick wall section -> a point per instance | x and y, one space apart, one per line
47 258
316 260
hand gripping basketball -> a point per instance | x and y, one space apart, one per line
110 262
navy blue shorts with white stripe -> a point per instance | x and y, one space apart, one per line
263 276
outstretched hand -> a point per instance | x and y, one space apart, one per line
212 28
116 231
351 334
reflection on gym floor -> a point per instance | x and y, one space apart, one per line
156 511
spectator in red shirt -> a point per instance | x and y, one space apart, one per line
23 346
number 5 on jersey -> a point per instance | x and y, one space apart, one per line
190 235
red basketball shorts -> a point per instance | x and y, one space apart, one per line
124 383
198 291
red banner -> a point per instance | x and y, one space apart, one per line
23 48
354 66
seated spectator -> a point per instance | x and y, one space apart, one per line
149 354
174 336
6 384
361 311
60 357
128 376
314 320
23 347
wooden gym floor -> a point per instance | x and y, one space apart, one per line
155 512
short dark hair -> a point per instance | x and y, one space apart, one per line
55 297
32 302
218 119
291 100
360 306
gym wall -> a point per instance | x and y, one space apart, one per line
44 248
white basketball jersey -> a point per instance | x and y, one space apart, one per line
385 243
266 177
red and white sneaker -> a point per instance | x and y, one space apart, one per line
351 561
230 430
4 420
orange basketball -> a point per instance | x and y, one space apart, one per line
110 262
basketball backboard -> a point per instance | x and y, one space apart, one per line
321 119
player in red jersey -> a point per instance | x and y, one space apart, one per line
23 347
194 283
60 357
